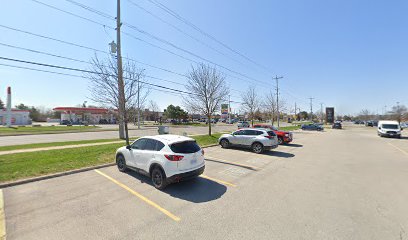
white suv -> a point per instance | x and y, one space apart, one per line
257 139
164 158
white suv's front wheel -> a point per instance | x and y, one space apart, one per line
121 163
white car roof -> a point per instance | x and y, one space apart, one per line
256 129
387 122
169 138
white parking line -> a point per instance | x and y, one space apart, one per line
2 218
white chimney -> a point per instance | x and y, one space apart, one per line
8 116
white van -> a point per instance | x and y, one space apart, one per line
389 129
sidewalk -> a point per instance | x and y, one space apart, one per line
56 147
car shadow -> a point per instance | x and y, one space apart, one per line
279 154
269 153
196 190
293 145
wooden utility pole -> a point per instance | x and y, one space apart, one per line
123 131
277 96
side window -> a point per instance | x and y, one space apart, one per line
139 144
150 145
258 133
239 133
159 145
246 132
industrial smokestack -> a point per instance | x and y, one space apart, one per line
8 118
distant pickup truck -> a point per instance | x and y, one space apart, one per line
283 136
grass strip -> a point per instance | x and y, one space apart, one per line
33 164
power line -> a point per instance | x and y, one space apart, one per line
88 71
153 37
188 23
181 31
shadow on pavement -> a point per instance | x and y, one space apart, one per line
196 190
279 154
293 145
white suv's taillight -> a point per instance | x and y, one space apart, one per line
174 158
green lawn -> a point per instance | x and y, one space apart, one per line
24 165
47 129
289 128
204 140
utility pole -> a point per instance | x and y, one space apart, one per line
229 108
138 103
311 108
277 96
295 112
321 110
123 131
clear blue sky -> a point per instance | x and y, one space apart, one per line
346 54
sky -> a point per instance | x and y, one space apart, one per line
346 54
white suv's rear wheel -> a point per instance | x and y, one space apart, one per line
257 148
159 178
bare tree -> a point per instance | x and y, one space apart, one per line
104 86
365 115
398 112
208 88
154 108
250 103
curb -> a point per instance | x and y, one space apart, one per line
35 179
60 174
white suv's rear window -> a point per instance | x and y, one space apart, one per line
185 147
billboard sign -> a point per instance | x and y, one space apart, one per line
329 115
224 108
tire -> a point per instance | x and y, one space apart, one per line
121 163
280 141
224 143
158 178
257 148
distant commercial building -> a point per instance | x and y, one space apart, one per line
87 115
18 117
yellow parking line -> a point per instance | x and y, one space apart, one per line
404 152
233 163
151 203
218 181
2 218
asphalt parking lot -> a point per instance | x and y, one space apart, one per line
337 184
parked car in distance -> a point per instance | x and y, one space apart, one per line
284 137
369 124
312 126
164 158
337 125
243 124
389 129
258 140
66 122
404 125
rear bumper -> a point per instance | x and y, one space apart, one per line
287 139
186 175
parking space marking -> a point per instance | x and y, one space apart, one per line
232 163
140 196
235 172
2 218
404 152
218 181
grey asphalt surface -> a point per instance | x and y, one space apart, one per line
337 184
62 137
